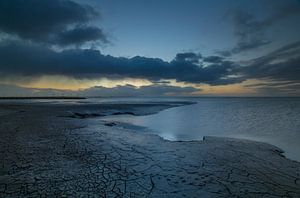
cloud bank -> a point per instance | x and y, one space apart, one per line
87 63
99 91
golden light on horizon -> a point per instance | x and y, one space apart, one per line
67 83
238 89
71 84
221 90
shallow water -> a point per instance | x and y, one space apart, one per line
272 120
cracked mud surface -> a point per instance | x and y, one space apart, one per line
45 155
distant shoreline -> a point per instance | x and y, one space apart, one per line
40 98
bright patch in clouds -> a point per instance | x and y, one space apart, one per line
67 83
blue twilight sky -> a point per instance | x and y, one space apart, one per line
162 28
150 47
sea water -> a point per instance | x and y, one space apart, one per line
271 120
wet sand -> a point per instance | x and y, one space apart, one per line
49 150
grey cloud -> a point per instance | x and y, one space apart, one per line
269 90
151 90
47 21
281 65
40 60
119 91
80 35
281 10
213 59
34 60
188 57
249 45
16 91
224 53
161 82
279 68
250 31
279 71
277 88
273 84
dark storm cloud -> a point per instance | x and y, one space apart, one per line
250 31
34 60
40 60
47 21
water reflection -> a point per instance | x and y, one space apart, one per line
271 120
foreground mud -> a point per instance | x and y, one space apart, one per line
51 151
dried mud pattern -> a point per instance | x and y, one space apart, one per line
43 155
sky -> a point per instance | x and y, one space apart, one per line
149 48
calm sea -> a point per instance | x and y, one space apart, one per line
272 120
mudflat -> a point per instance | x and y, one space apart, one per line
55 150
